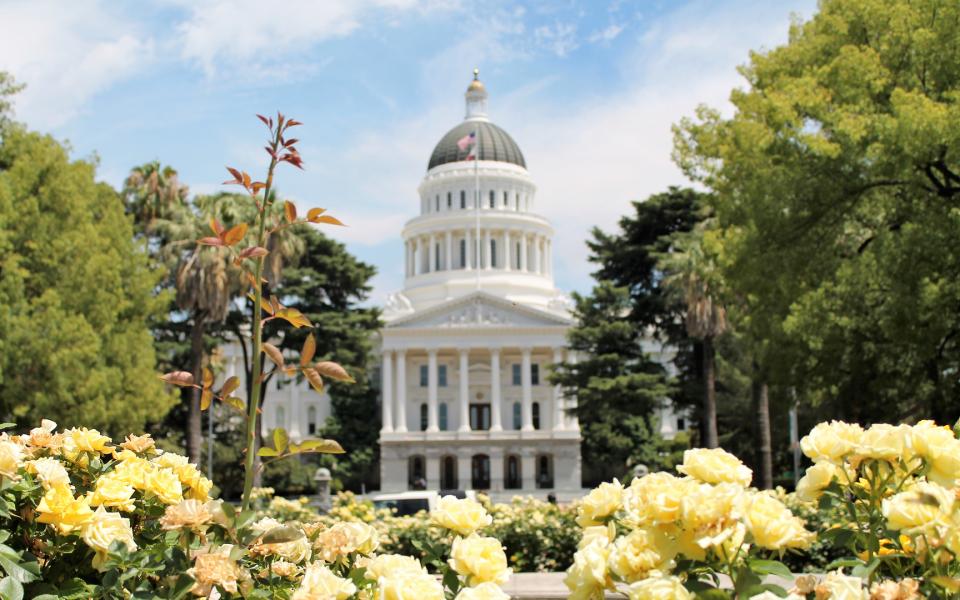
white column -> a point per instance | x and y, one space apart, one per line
464 391
432 391
557 393
496 407
406 258
418 257
506 250
535 267
401 423
573 422
432 254
468 248
386 392
527 407
549 261
486 249
523 251
448 263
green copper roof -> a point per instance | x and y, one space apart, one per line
495 144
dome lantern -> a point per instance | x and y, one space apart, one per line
476 99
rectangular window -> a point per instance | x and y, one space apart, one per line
463 254
535 374
493 253
506 199
442 375
480 417
436 256
518 256
493 199
516 375
449 200
463 199
438 202
423 376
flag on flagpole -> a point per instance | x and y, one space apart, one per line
467 141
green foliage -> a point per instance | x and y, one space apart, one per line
835 185
8 87
77 293
616 383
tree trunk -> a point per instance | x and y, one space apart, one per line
710 438
761 405
194 421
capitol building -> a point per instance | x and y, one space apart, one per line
469 343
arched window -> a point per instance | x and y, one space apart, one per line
493 253
423 416
463 254
448 473
312 420
517 419
544 472
480 472
463 199
511 475
281 417
493 199
536 415
443 416
415 473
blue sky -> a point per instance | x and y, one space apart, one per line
589 90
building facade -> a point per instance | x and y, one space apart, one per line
469 342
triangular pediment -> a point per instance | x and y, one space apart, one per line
479 310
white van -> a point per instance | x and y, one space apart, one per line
412 502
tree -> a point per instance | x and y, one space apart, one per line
78 296
836 185
618 387
328 284
691 274
8 87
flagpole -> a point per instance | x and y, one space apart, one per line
476 207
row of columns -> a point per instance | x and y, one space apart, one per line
526 406
426 254
516 202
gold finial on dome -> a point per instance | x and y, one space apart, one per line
476 84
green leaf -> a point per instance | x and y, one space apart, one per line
7 426
770 567
182 587
281 535
267 451
280 439
24 572
10 589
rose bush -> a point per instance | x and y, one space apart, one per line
82 517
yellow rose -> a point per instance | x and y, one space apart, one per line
215 567
43 436
705 505
587 577
113 492
837 586
659 588
919 509
945 468
714 465
635 555
49 471
295 551
409 585
11 458
164 485
385 564
831 441
103 529
773 526
818 477
133 471
479 559
80 443
463 516
600 503
139 444
484 591
363 538
170 460
189 514
598 534
320 583
654 498
886 442
59 508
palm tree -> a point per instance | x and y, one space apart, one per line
150 191
693 276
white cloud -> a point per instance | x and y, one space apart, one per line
66 52
559 38
253 33
607 34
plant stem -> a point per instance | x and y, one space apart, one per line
256 358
